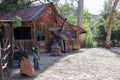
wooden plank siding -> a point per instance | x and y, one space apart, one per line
43 19
47 20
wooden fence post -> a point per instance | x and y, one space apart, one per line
1 70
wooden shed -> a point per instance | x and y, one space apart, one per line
44 21
75 33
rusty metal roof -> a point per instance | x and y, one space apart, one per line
64 35
82 30
26 14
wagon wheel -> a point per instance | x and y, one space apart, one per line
5 42
5 45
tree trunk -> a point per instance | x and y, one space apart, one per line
110 25
80 17
80 12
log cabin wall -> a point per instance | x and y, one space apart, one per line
28 43
76 40
49 19
41 20
42 24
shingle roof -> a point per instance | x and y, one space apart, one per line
28 13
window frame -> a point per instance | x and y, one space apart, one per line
73 34
41 35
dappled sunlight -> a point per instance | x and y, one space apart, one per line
57 26
47 63
94 63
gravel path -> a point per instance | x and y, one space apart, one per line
86 64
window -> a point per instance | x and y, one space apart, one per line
73 34
40 36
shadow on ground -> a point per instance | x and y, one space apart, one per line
116 50
46 61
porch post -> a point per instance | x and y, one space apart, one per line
10 63
1 70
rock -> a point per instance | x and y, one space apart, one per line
26 68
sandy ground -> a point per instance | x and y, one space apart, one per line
85 64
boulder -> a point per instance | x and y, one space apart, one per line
27 68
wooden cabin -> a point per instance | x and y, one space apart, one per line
45 21
75 33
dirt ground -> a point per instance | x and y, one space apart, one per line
85 64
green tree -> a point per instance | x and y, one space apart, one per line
68 11
88 25
115 39
100 30
110 25
8 5
17 21
101 25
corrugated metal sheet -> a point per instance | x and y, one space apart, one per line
64 35
80 28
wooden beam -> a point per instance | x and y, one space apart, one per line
1 70
11 48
